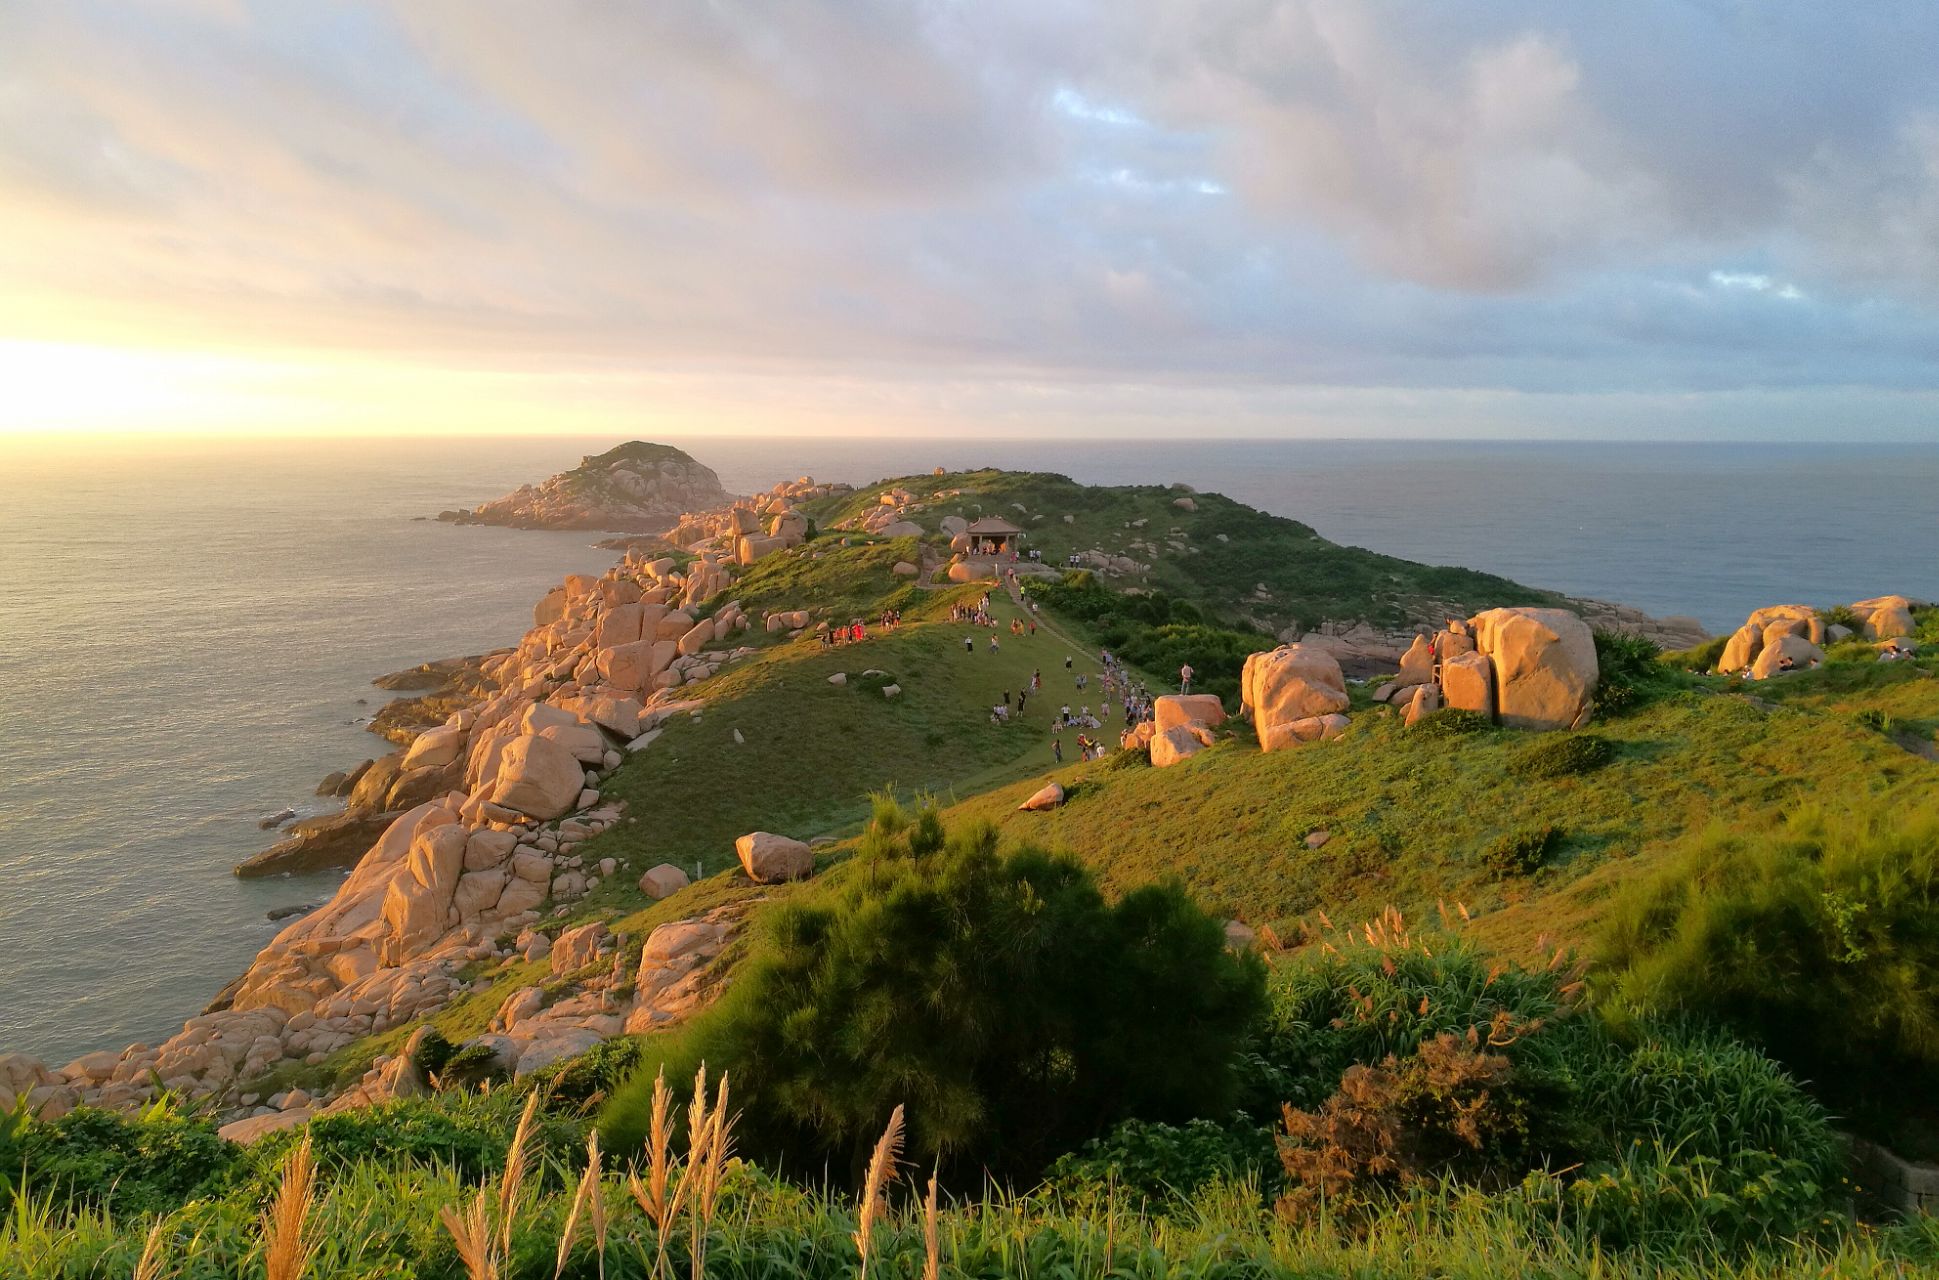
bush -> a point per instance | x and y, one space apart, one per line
1449 1109
1450 722
1813 942
142 1164
1562 756
1413 1061
1162 1164
592 1076
998 996
1701 659
1522 852
468 1133
1355 1002
1629 672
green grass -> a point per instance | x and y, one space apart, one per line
1411 815
380 1220
1306 577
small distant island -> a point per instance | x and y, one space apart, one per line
635 488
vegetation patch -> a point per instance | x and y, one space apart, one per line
1562 755
1522 852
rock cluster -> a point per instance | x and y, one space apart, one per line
1182 725
1525 668
752 528
1780 638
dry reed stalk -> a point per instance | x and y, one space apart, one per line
888 1149
471 1236
286 1253
707 1150
149 1265
653 1196
586 1199
596 1200
932 1252
481 1249
518 1163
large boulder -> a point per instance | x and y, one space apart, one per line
415 903
1741 649
1813 626
434 748
538 778
1291 683
768 858
1885 617
556 724
1468 683
1175 709
1787 653
579 948
1417 664
621 625
1047 797
1178 743
1544 664
663 881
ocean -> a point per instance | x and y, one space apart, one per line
188 629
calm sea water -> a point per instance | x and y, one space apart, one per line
187 631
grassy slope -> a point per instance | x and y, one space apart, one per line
1307 578
1410 815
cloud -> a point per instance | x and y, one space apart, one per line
1238 194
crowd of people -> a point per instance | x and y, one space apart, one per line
856 630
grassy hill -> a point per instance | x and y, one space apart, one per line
1232 560
1540 839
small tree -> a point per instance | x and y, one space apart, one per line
1012 1010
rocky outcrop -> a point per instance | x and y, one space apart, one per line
637 487
1780 638
1544 666
1295 694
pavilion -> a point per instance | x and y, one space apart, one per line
991 536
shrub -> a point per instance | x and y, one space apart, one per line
590 1077
1449 1109
1812 942
1450 722
998 996
1359 1002
1701 659
1520 853
1562 755
468 1133
1629 672
1120 760
1842 616
1158 1163
139 1164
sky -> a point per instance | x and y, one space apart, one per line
1141 218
